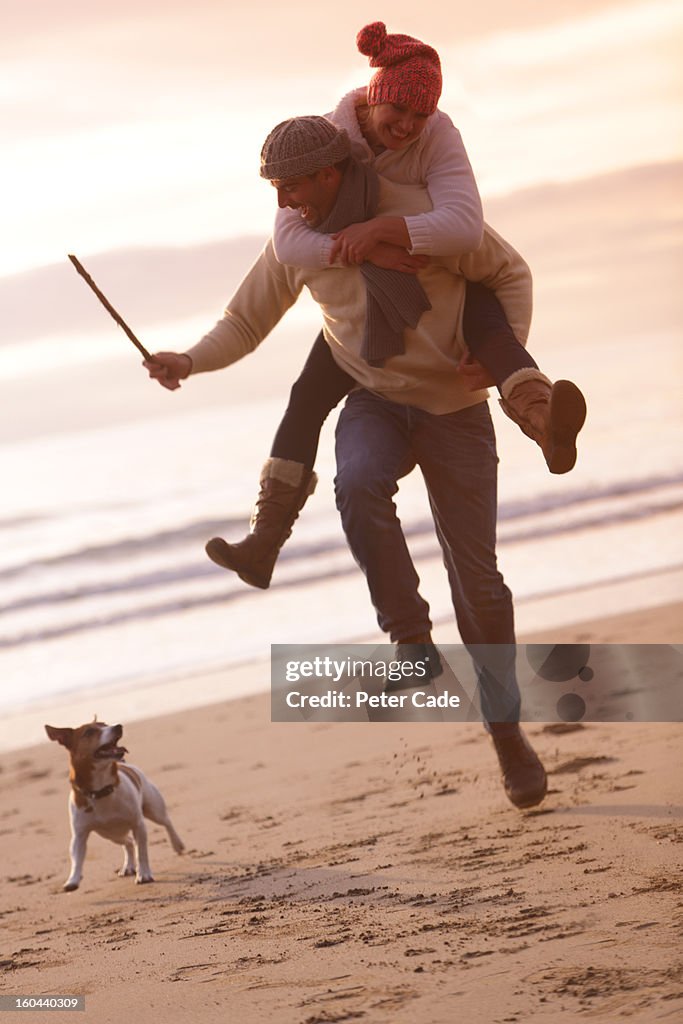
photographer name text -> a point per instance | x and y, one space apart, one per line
363 699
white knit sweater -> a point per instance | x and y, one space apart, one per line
437 159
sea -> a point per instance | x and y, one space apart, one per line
105 582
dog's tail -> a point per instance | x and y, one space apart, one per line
176 842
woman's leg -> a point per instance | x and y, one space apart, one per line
287 478
488 334
320 387
550 414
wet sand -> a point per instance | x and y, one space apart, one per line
360 872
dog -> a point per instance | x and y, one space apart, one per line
110 798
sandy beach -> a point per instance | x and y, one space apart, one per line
361 872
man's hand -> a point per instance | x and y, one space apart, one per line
476 376
169 368
393 257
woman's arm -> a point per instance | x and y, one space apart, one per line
355 243
297 245
454 226
456 223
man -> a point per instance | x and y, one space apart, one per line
412 407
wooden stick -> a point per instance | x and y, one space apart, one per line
108 306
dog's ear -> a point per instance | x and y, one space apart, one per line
63 736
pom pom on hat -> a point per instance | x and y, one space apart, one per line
371 39
410 70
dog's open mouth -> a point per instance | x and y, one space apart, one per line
110 752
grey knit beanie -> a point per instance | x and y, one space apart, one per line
302 145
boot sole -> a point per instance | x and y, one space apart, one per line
532 800
219 552
567 416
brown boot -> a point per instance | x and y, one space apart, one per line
524 776
285 486
419 651
551 414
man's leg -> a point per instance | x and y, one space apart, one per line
457 456
373 447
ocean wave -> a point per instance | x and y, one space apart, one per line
103 585
223 597
118 550
616 502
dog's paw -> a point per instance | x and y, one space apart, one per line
143 879
125 872
70 886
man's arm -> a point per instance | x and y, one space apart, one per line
260 302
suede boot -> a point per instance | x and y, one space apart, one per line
550 414
285 486
524 776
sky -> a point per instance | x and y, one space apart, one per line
139 122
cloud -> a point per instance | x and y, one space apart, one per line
138 123
572 99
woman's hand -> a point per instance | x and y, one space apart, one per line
393 257
352 244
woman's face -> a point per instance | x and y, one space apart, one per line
395 125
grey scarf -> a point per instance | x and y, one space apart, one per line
395 300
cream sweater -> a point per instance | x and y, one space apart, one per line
425 375
437 159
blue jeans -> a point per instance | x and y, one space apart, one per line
377 443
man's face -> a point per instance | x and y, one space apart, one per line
313 195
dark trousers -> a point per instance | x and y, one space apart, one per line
377 443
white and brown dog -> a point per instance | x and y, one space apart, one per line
110 798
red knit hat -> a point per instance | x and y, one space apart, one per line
410 71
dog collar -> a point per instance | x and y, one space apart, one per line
105 791
97 794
